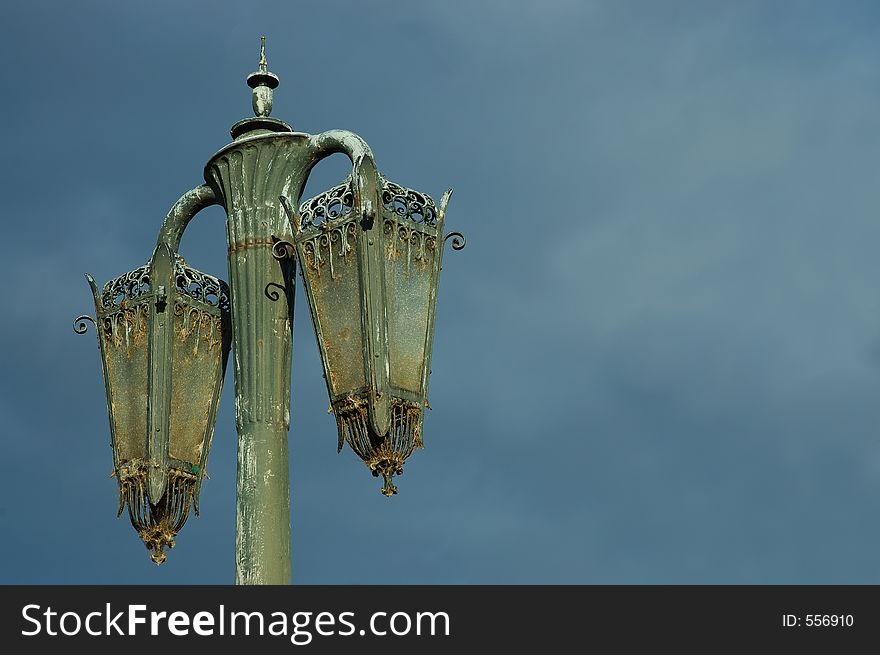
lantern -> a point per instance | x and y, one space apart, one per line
370 252
163 333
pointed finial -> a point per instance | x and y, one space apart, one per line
389 488
262 81
263 63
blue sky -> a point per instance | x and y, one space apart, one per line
656 361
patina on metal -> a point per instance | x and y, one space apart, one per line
265 159
163 333
369 252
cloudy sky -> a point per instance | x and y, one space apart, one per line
656 361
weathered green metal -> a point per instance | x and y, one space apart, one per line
370 253
267 164
163 333
265 160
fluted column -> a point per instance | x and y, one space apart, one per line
250 175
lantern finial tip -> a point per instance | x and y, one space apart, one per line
388 489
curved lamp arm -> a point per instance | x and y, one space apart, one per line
333 141
366 188
179 216
365 175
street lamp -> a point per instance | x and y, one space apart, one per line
369 252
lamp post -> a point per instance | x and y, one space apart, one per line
369 252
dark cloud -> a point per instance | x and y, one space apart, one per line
656 361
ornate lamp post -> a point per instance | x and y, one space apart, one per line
369 253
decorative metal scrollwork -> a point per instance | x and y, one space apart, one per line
418 246
320 249
80 326
458 240
339 201
270 292
201 286
130 286
282 249
408 203
207 326
127 325
135 284
327 206
409 219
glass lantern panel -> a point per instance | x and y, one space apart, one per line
409 269
125 346
197 353
336 299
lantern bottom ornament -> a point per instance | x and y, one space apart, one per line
384 455
157 523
